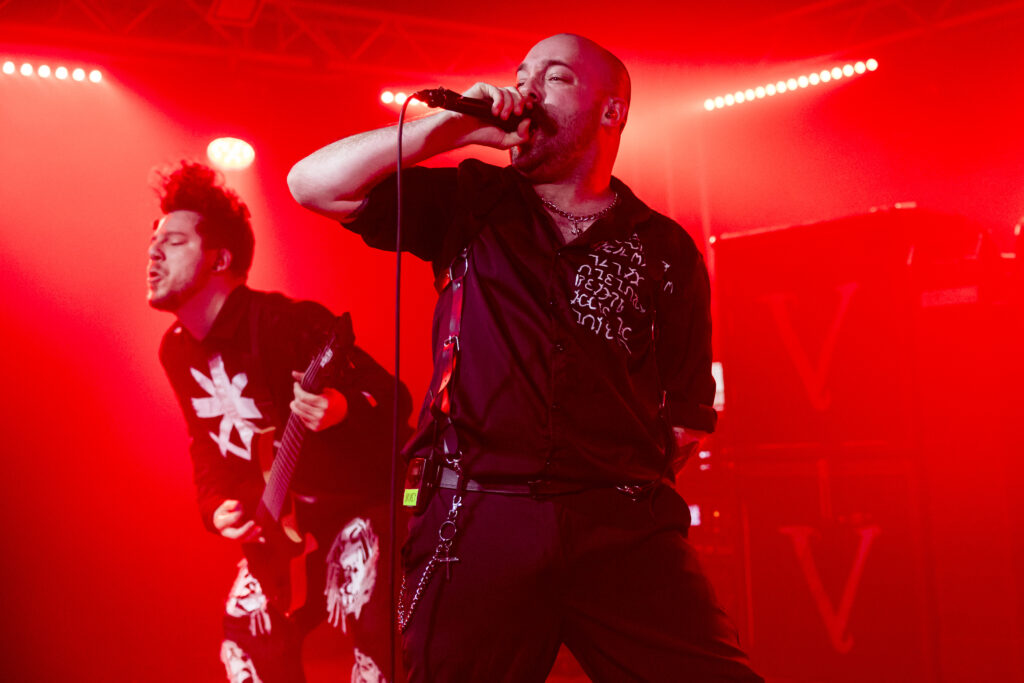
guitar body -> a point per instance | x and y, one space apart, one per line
279 562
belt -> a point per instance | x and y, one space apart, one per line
536 488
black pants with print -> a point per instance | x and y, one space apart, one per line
612 578
261 644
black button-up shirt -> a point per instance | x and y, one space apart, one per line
566 350
230 388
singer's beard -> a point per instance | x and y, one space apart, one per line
556 146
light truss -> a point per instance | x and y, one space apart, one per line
323 38
317 37
832 27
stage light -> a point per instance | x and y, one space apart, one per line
230 154
694 515
26 69
43 71
719 375
400 98
61 72
95 76
834 73
9 68
78 74
387 97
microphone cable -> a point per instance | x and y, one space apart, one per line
395 431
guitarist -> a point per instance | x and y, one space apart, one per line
234 358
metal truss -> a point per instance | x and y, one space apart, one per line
846 27
318 38
321 38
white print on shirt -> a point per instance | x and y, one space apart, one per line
365 670
668 287
237 663
605 287
225 399
246 599
351 571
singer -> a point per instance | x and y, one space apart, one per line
572 380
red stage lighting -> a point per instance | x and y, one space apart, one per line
791 84
694 515
95 76
230 154
395 97
9 67
43 71
26 69
78 74
61 73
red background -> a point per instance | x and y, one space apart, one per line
106 572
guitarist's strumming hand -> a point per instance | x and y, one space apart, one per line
226 518
318 411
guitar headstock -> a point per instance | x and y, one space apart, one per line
339 342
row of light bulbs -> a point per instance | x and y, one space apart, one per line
61 73
790 84
740 96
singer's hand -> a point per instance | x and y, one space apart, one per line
505 102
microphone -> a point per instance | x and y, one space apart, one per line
475 107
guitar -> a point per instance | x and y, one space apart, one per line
279 562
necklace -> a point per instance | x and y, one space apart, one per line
576 220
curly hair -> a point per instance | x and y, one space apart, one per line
225 217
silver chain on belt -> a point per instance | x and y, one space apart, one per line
442 555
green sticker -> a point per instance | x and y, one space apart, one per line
410 497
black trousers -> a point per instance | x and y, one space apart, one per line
613 578
260 643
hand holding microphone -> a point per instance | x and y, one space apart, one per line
476 107
503 108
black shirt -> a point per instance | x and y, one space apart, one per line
566 350
229 388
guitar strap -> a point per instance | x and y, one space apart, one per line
258 363
446 442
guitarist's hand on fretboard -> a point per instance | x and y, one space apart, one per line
318 411
226 520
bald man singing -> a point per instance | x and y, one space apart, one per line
572 380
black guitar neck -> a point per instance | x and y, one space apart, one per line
286 458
